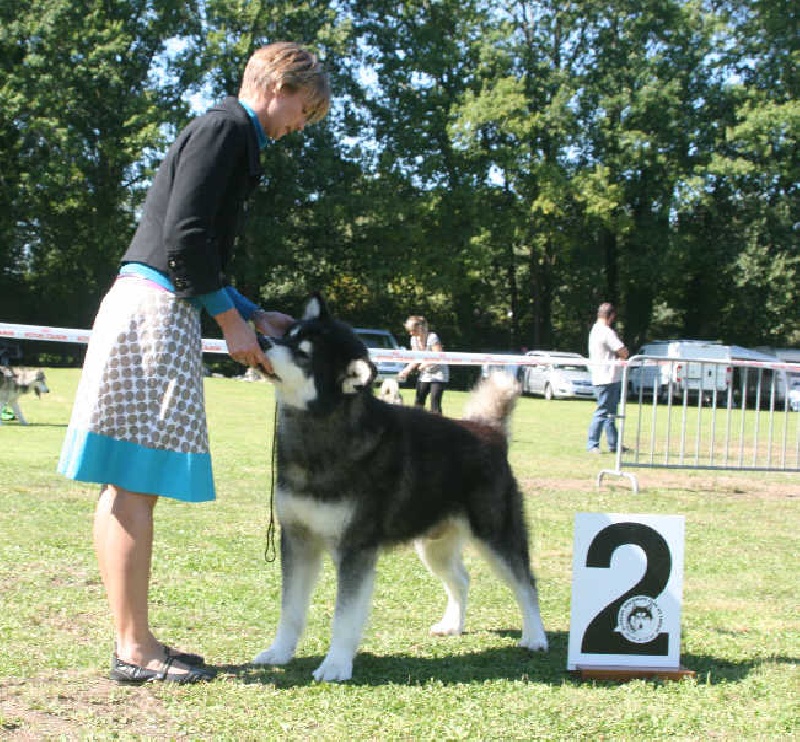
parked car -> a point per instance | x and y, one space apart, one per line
769 385
677 365
384 340
787 383
560 375
512 369
794 394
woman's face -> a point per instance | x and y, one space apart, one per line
286 113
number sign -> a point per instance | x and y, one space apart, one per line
627 587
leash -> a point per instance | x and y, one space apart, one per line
270 552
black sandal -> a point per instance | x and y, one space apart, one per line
188 658
128 673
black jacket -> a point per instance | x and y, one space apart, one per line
194 209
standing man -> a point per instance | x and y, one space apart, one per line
605 348
138 424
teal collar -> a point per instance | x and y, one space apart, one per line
260 135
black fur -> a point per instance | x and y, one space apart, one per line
381 474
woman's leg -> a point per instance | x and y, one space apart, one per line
437 390
123 541
423 387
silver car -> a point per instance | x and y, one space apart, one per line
384 340
560 375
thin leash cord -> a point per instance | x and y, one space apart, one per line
270 552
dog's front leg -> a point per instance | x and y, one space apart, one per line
301 557
355 573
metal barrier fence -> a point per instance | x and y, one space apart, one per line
715 414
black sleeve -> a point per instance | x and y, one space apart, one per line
204 171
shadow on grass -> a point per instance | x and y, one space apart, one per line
501 663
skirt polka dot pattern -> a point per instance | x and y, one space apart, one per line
138 420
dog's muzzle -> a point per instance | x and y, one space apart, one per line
265 344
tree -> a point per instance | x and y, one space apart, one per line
83 124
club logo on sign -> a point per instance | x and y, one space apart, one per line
627 583
640 619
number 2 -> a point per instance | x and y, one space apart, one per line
601 636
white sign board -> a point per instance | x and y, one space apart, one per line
627 589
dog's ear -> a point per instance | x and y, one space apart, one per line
360 374
316 308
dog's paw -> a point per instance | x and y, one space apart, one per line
536 644
275 655
334 670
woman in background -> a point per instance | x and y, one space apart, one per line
433 377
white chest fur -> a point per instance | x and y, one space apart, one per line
326 520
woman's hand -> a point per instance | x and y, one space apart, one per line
272 324
241 340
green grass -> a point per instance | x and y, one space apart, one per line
213 591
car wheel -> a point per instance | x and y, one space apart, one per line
548 392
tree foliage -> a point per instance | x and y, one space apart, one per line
83 102
498 166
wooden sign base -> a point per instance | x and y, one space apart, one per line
624 674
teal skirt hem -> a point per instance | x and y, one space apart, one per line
90 457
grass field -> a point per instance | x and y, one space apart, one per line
214 592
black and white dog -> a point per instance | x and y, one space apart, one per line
14 384
355 474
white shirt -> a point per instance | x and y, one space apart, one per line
603 346
432 372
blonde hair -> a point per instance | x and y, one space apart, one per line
286 64
415 321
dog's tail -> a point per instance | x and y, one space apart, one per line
492 401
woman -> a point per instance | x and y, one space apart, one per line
433 377
138 424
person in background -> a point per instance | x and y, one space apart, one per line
138 425
605 349
433 377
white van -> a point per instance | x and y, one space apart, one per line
678 365
560 375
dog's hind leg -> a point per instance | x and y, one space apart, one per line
442 555
301 558
512 566
18 412
355 571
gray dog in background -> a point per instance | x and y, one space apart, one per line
14 384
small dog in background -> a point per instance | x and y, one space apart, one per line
15 384
390 392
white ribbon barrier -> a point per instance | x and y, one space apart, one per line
67 335
210 345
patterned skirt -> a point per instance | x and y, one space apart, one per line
138 420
